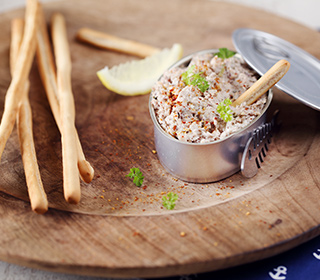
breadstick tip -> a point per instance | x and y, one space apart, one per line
86 171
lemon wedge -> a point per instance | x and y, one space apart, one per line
138 76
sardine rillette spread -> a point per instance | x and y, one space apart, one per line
190 115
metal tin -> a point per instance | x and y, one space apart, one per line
203 162
261 50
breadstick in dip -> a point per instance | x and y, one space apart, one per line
267 81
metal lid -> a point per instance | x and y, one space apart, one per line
262 50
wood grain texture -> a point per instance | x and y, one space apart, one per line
121 230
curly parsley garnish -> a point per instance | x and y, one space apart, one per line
195 79
169 200
136 175
224 110
225 53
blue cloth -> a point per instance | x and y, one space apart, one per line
300 263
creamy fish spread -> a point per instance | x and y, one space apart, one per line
189 112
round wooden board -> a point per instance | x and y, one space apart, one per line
119 230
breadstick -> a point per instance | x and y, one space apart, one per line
23 65
71 181
17 25
110 42
48 75
37 195
267 81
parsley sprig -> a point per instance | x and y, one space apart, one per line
224 110
136 175
195 79
225 53
169 200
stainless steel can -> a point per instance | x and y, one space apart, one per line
203 162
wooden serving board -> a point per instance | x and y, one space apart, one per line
120 230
